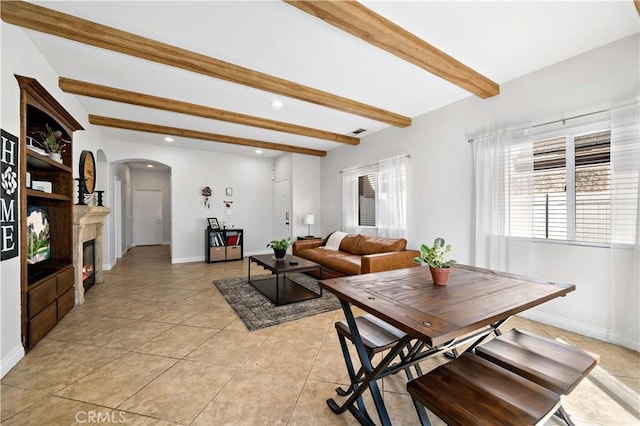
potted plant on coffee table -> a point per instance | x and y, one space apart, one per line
280 247
435 257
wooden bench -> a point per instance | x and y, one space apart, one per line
549 363
376 335
473 391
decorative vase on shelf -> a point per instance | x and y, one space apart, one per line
56 156
440 275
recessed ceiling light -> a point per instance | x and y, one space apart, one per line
168 139
258 151
277 104
149 165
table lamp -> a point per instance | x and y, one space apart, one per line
308 219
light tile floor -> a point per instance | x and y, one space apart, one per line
156 344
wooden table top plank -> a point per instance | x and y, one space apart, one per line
409 320
474 298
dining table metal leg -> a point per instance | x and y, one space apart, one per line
369 380
354 378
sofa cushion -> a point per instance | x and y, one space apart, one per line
319 255
348 264
350 243
374 245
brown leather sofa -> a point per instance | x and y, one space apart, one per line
358 254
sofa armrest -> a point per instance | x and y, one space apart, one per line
305 244
387 261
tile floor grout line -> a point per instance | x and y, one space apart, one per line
148 383
231 376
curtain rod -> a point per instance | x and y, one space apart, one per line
374 164
562 120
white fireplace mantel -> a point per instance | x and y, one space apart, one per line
88 222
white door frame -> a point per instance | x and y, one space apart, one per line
282 210
118 218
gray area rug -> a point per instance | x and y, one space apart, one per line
256 311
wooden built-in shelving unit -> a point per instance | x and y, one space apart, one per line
47 291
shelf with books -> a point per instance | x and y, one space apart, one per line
223 245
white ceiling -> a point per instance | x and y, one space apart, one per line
501 40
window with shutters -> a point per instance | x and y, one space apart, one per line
367 199
593 190
571 178
550 189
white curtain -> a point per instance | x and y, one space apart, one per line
625 224
503 169
350 200
392 197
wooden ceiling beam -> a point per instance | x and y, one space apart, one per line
119 95
60 24
358 20
195 134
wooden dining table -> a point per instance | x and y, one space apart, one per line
436 319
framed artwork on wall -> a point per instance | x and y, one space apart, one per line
213 223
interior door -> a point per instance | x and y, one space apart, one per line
282 214
147 217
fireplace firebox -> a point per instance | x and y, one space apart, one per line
88 264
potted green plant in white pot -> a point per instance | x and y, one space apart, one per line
280 247
53 143
436 257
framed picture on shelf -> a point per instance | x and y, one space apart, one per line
213 223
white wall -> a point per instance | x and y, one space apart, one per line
305 187
441 193
19 56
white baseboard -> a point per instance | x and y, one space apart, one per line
580 328
255 253
624 341
9 361
187 259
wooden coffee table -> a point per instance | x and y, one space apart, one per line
280 289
